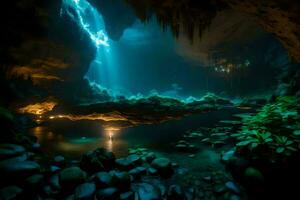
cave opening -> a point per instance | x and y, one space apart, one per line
148 99
147 60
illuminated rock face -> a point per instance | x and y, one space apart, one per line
37 49
38 108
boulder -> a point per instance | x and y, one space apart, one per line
138 172
85 191
110 193
129 162
10 192
123 164
134 159
54 169
54 182
95 161
10 151
103 179
152 171
127 196
146 191
150 157
15 168
233 187
34 181
161 163
163 166
175 192
71 177
59 160
121 180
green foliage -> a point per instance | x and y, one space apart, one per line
254 138
273 116
273 132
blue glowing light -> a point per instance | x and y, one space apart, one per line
104 68
82 9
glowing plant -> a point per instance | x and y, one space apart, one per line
284 145
275 128
254 138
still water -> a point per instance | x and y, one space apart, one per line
71 139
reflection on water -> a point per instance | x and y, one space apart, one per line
67 141
71 139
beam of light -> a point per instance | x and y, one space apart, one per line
104 68
82 8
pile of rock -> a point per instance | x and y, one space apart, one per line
184 146
98 175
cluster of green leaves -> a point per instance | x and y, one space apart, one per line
274 131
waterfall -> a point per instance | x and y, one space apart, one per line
103 69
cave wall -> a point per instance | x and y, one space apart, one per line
44 48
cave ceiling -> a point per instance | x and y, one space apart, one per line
37 42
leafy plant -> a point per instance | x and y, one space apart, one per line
275 127
284 145
254 138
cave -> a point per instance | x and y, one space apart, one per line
150 99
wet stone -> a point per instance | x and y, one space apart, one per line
10 192
121 180
59 160
98 160
54 182
175 192
152 171
219 189
85 191
147 191
163 166
161 163
138 171
127 196
108 194
34 180
71 177
232 187
134 159
54 169
17 168
103 179
10 150
150 157
123 164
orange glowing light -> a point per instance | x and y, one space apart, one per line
104 117
112 129
38 108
